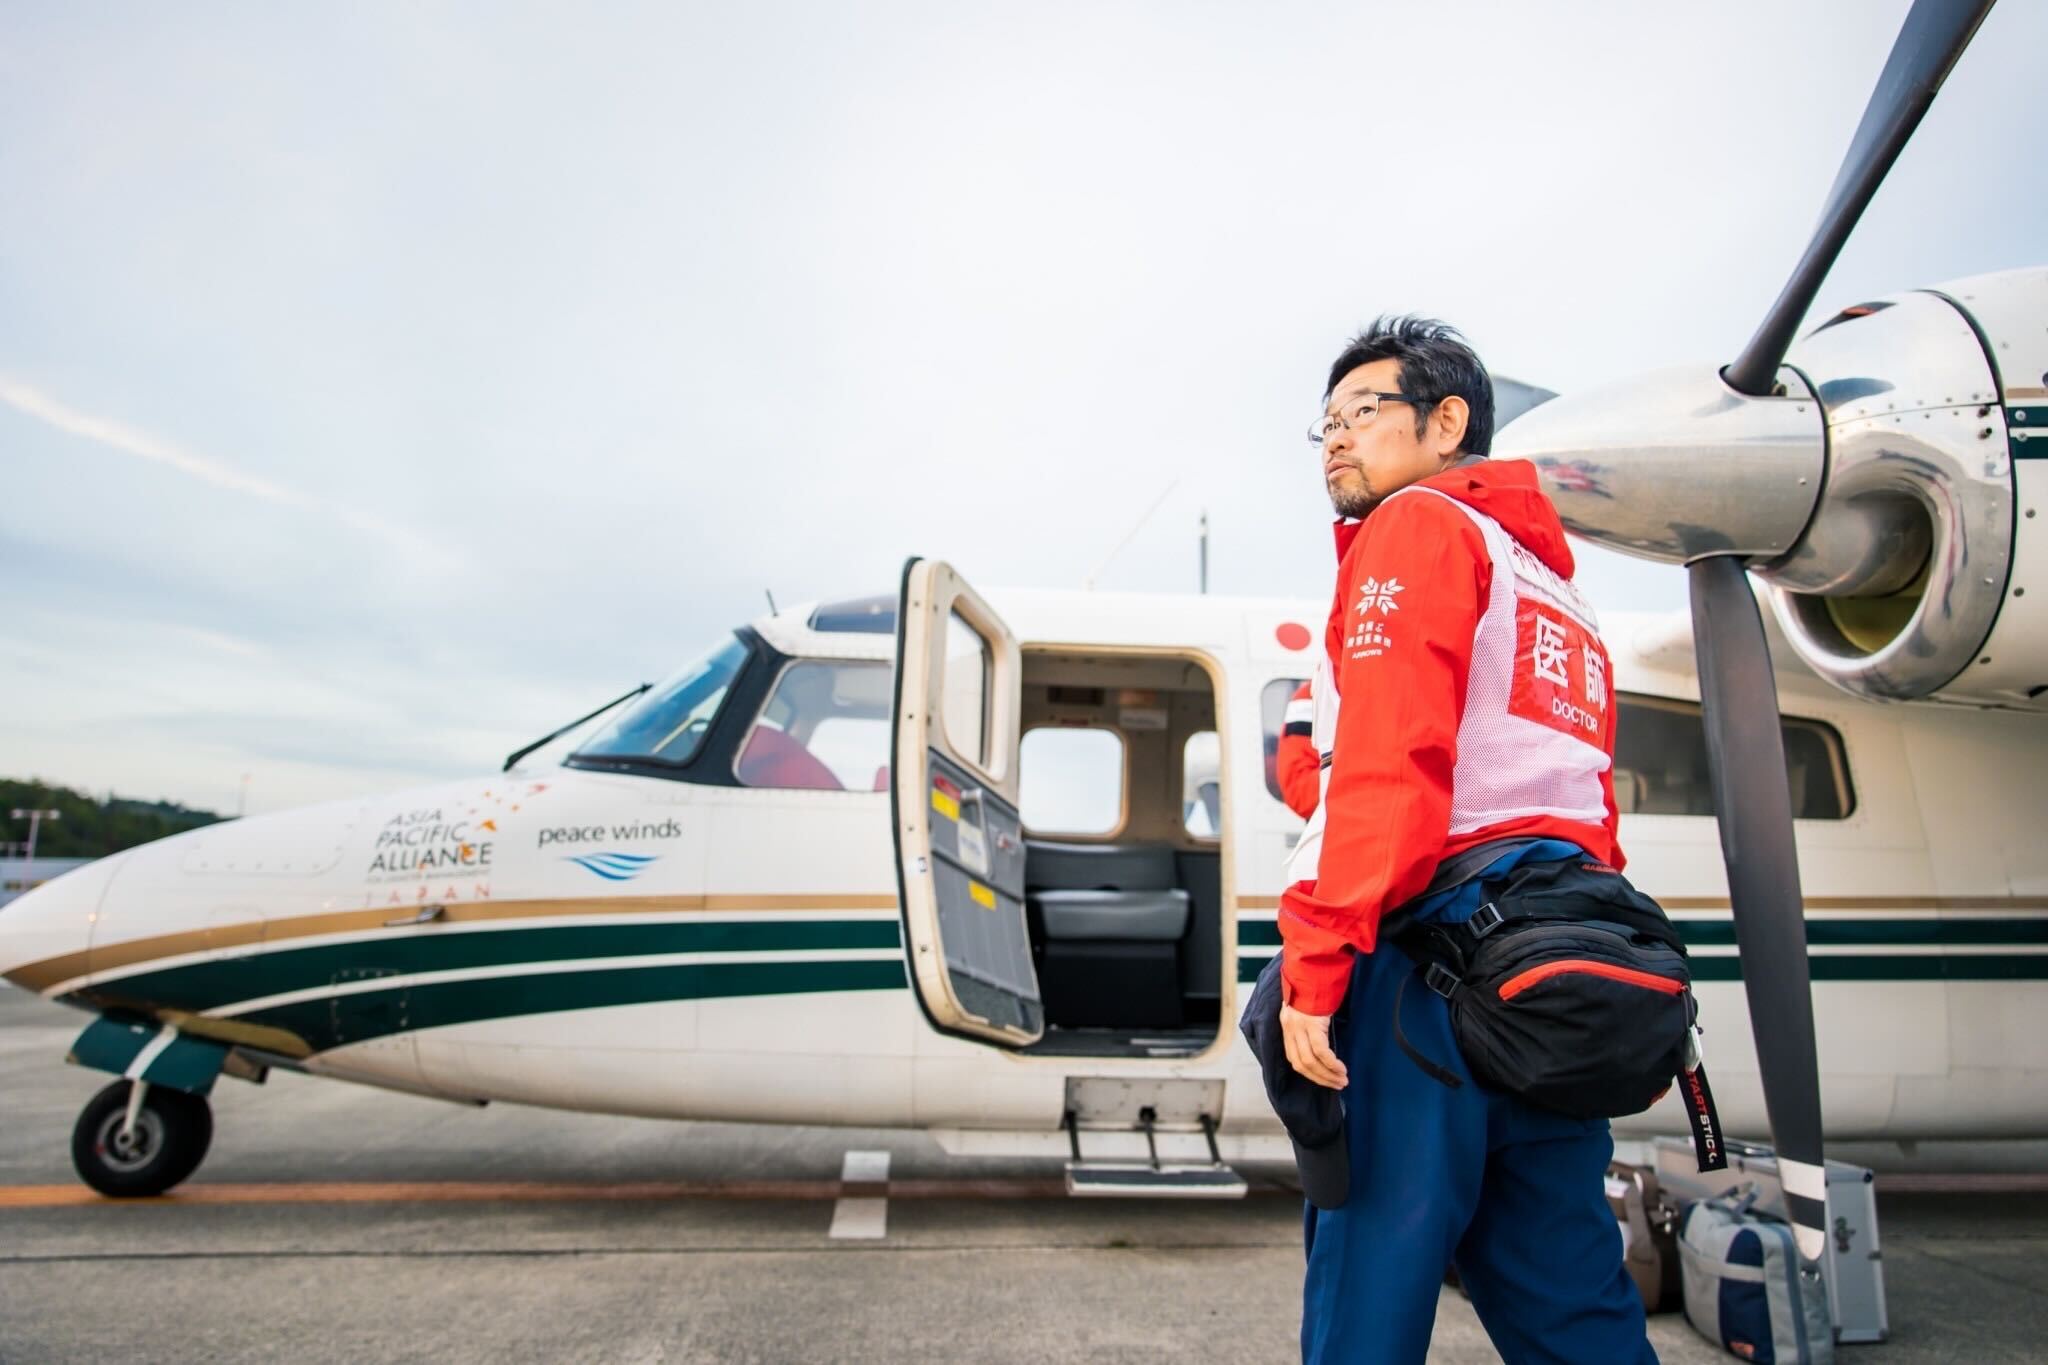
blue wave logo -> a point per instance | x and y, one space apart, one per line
613 867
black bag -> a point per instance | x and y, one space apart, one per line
1570 989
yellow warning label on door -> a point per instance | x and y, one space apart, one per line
945 805
983 896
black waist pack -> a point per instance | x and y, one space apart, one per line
1570 989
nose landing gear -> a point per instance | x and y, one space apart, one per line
129 1145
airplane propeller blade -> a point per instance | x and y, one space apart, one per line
1745 747
1932 38
1746 759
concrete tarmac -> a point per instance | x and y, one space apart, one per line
334 1222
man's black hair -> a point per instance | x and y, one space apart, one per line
1436 362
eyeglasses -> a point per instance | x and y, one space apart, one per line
1360 411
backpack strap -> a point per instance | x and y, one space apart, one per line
1441 1074
1460 868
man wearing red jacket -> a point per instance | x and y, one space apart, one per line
1296 764
1463 700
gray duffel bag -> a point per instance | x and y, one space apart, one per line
1745 1287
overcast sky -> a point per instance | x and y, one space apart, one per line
381 386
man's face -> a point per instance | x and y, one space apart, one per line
1366 462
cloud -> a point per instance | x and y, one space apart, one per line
227 643
105 431
141 444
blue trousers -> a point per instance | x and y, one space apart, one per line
1509 1194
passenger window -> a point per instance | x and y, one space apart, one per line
1660 763
1272 713
969 670
1818 770
825 728
1201 785
669 723
1071 780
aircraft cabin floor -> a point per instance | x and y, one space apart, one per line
439 1233
1104 1042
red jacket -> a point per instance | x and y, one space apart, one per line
1482 710
1298 766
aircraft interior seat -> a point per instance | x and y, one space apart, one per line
773 759
1150 916
1108 921
1097 867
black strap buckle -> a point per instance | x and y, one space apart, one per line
1441 979
1485 920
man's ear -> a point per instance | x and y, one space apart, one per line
1447 425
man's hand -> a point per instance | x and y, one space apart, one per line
1307 1037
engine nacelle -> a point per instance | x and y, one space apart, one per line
1888 492
1910 581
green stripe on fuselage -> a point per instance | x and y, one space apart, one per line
224 981
1899 931
330 1021
1898 967
1861 967
1894 932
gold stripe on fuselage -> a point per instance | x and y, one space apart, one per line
40 976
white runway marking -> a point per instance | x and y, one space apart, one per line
864 1211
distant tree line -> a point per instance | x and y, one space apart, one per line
90 827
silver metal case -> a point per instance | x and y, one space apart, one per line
1853 1265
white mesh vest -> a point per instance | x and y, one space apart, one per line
1534 738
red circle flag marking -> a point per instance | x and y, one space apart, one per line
1292 635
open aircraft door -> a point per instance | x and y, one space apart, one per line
953 793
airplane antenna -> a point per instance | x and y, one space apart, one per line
1129 536
1205 552
773 610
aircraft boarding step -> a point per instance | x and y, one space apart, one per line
1125 1180
1121 1107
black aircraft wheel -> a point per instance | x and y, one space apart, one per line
167 1143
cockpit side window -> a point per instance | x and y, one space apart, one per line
669 724
825 727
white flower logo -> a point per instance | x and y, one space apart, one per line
1375 595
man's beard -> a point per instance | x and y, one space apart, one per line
1354 500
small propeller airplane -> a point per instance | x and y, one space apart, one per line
701 913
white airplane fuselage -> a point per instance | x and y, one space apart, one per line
625 944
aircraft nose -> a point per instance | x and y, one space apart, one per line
45 933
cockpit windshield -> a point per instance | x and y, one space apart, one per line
670 722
